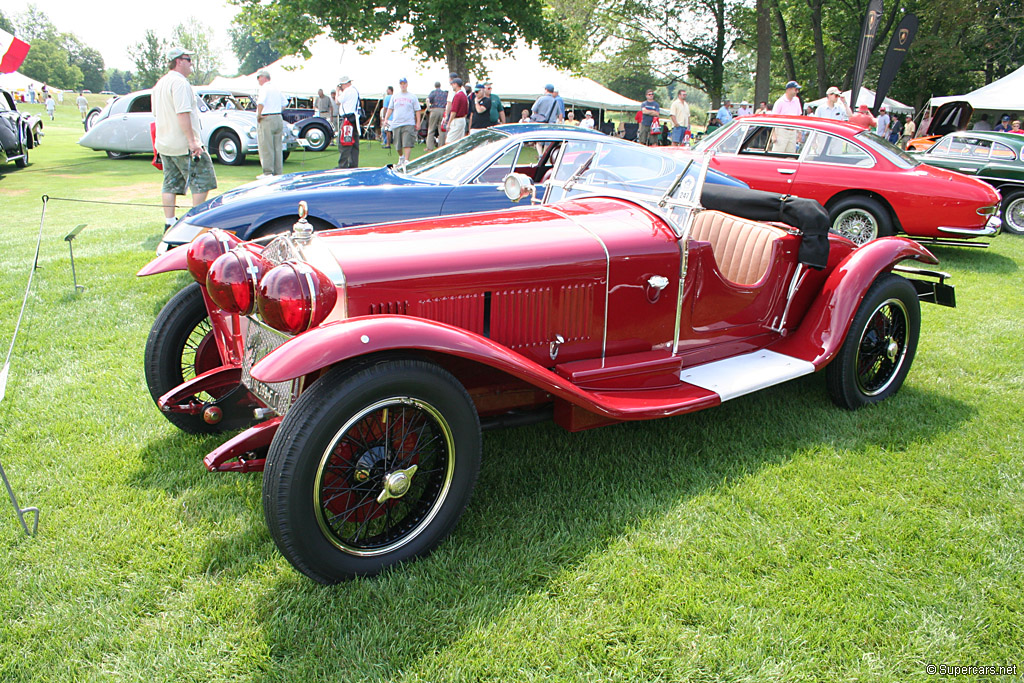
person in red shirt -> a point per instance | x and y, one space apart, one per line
458 110
863 117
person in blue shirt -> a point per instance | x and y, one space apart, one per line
648 109
724 115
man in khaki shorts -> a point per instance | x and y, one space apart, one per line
187 164
405 114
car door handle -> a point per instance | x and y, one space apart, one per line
786 171
968 168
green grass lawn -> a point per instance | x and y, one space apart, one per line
775 538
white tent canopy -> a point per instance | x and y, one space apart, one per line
868 97
1006 94
17 81
518 77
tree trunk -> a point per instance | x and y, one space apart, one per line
787 53
455 55
819 46
762 77
718 63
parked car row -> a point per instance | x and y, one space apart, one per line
870 188
460 178
19 131
122 128
363 361
228 121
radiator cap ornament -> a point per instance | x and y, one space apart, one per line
302 231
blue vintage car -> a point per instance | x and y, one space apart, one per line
464 177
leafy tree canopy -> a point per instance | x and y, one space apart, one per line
252 53
60 59
459 32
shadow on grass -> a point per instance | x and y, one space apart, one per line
546 500
973 260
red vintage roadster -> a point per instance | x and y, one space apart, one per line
363 363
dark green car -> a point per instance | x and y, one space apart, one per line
996 158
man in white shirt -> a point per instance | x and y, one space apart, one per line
744 110
83 105
679 112
587 122
187 164
348 120
835 107
270 125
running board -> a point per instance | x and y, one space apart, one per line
745 374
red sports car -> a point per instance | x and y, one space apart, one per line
869 187
365 361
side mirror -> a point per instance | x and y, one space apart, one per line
518 186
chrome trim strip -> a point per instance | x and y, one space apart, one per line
992 227
607 272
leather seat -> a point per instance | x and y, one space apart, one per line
742 248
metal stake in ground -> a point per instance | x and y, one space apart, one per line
68 238
5 373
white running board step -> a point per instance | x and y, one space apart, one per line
741 375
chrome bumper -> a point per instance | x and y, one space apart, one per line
992 227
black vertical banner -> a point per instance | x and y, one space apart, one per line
898 46
867 36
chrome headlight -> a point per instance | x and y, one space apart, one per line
252 132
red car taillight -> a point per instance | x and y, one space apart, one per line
233 280
294 297
205 249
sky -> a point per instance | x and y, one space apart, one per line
111 26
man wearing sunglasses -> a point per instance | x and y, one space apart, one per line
187 164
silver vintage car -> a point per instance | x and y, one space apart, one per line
122 128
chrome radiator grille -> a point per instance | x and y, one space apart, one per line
260 340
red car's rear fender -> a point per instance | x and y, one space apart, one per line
826 323
166 262
346 340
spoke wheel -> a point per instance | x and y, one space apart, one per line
385 476
882 348
372 466
860 219
879 347
1013 213
180 346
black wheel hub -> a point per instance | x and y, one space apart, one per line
369 466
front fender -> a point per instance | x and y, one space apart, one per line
348 339
826 323
175 259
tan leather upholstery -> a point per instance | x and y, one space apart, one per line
742 248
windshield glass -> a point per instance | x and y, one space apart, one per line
708 140
888 150
452 162
620 168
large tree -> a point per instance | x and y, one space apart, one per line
690 40
459 32
196 36
60 59
252 53
5 23
149 56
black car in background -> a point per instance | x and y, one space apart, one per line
19 132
